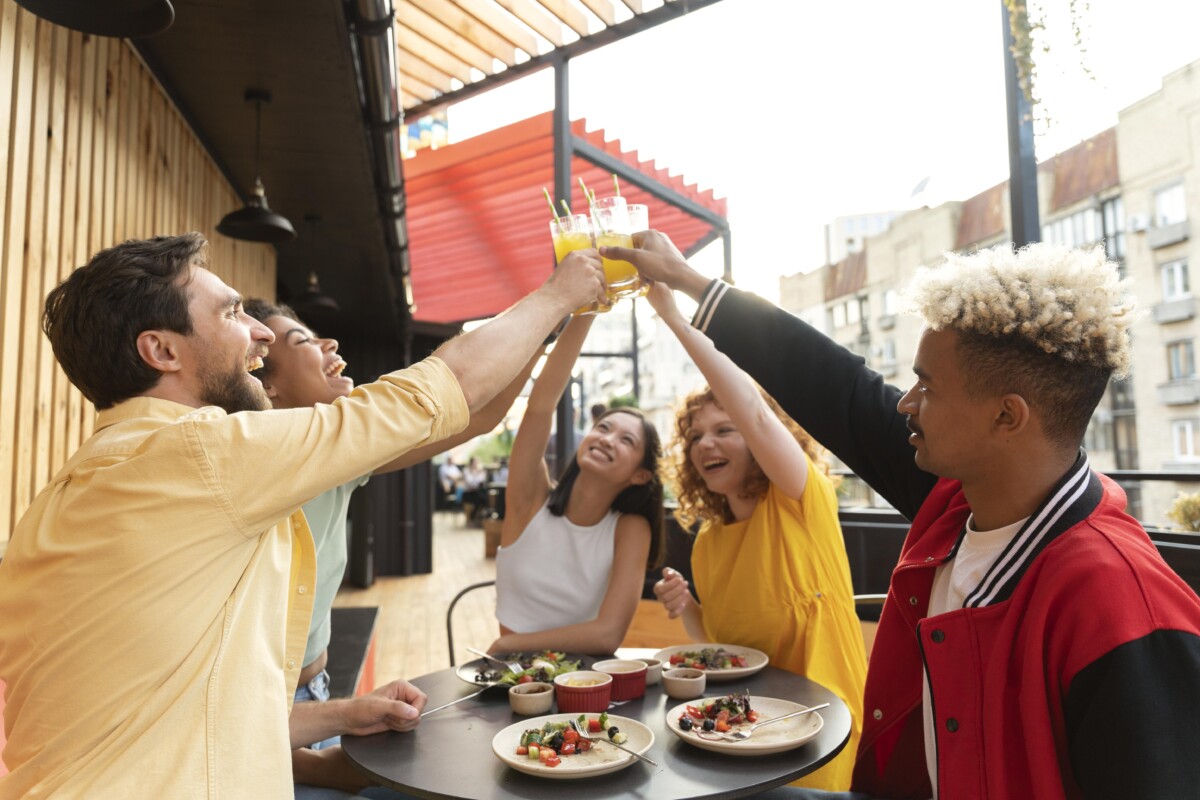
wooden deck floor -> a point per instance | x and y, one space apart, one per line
411 631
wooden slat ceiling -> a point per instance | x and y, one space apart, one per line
445 45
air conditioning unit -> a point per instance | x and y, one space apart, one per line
1136 223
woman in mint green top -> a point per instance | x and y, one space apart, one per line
300 371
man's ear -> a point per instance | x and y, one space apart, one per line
160 351
1013 415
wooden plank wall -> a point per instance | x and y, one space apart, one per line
91 153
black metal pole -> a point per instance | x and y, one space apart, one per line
564 441
1022 163
633 350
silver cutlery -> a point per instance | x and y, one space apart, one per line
746 733
583 734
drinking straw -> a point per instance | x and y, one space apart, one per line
565 207
616 186
557 218
587 196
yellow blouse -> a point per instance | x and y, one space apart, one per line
780 582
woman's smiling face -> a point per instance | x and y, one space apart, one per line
303 369
717 451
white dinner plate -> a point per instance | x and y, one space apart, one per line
600 760
467 671
755 660
769 739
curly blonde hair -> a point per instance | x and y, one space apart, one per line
1066 302
696 502
1047 322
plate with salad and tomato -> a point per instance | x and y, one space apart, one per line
722 662
549 747
544 665
699 722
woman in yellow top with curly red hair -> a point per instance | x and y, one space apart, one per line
769 561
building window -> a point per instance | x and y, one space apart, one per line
1114 228
1078 229
1181 360
1098 437
839 315
1170 206
1175 280
852 312
889 351
891 302
1183 434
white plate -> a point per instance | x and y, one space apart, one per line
774 738
600 760
470 669
755 660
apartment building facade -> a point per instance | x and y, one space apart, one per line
1131 189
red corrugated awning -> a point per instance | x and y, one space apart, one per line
478 223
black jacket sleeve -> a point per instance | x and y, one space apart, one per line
828 390
1133 720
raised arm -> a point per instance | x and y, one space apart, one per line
485 360
528 481
847 407
486 419
603 633
774 448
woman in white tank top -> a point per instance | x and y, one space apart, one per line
573 555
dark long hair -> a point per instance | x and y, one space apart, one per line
645 500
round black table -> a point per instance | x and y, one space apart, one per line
450 754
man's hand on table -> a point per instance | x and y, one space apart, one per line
396 706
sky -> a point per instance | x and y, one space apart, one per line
799 112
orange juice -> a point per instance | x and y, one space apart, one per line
617 273
569 242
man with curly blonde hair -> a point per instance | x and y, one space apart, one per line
1033 643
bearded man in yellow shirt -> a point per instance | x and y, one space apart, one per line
155 598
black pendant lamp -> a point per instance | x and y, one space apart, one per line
256 222
312 299
312 302
133 19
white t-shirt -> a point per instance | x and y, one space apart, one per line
555 574
952 583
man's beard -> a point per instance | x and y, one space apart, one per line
233 391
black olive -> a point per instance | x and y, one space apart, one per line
613 731
685 723
709 724
556 741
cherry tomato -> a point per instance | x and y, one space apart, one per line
584 745
552 761
570 736
676 658
568 749
522 750
525 679
593 726
752 716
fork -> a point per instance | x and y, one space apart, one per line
513 666
583 734
742 735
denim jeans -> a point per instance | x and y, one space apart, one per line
317 691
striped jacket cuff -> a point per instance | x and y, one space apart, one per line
708 304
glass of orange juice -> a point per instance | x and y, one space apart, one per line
639 220
610 219
570 233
